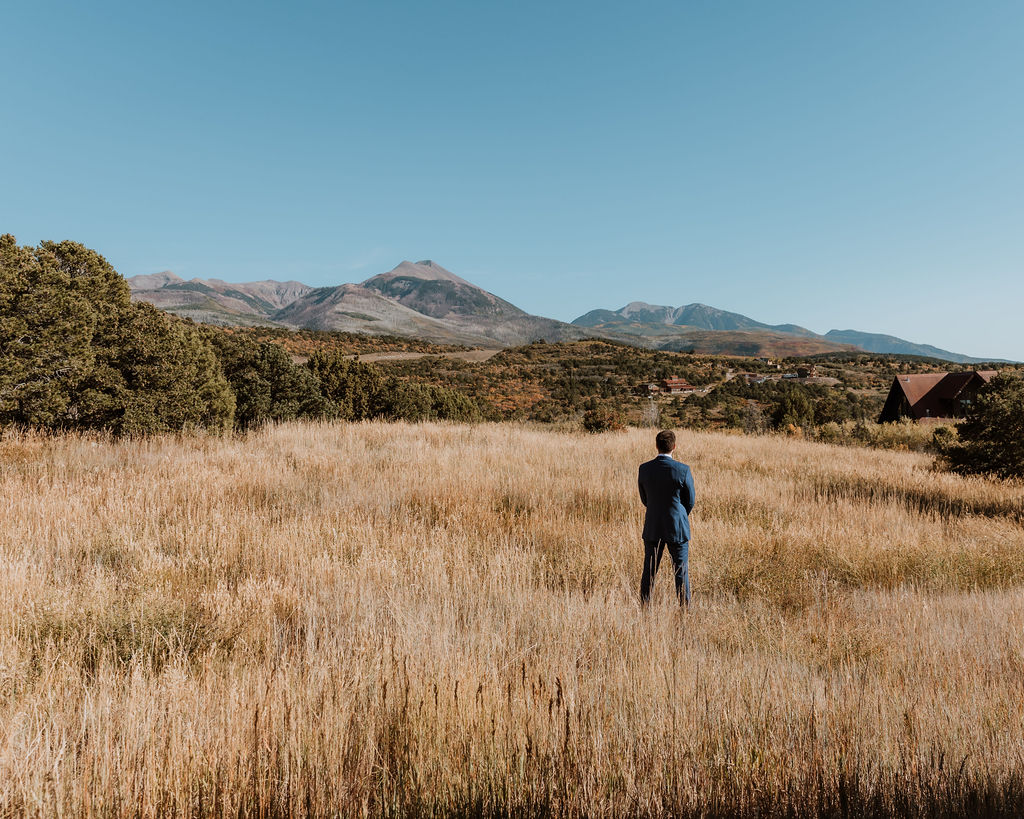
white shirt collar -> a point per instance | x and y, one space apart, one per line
665 455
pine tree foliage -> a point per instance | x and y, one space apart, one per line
990 439
46 329
76 353
426 402
267 384
355 389
170 377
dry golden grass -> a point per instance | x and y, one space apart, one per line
408 620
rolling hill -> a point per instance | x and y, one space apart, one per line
878 343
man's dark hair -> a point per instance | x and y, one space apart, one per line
665 441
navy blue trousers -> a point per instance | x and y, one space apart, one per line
680 554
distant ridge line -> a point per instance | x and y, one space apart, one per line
424 300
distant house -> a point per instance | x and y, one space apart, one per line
933 395
671 385
675 386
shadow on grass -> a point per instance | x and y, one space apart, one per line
925 500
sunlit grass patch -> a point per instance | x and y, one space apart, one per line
401 619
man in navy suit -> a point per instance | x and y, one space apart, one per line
666 489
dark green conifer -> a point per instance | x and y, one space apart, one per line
990 439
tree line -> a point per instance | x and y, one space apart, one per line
76 353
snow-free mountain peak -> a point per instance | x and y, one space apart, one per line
427 270
424 300
430 289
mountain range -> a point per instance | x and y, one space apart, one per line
423 300
683 327
419 299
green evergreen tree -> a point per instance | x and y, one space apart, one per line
990 439
355 388
267 384
172 378
76 353
359 391
407 402
101 394
46 329
831 408
451 405
794 407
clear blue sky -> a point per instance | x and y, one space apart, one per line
849 165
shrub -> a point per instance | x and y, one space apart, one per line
943 438
795 409
601 419
907 436
413 401
267 384
356 389
990 439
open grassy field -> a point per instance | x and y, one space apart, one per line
319 620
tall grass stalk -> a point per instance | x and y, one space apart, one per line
372 619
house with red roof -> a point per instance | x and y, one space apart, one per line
927 396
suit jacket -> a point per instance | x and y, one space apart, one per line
666 489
